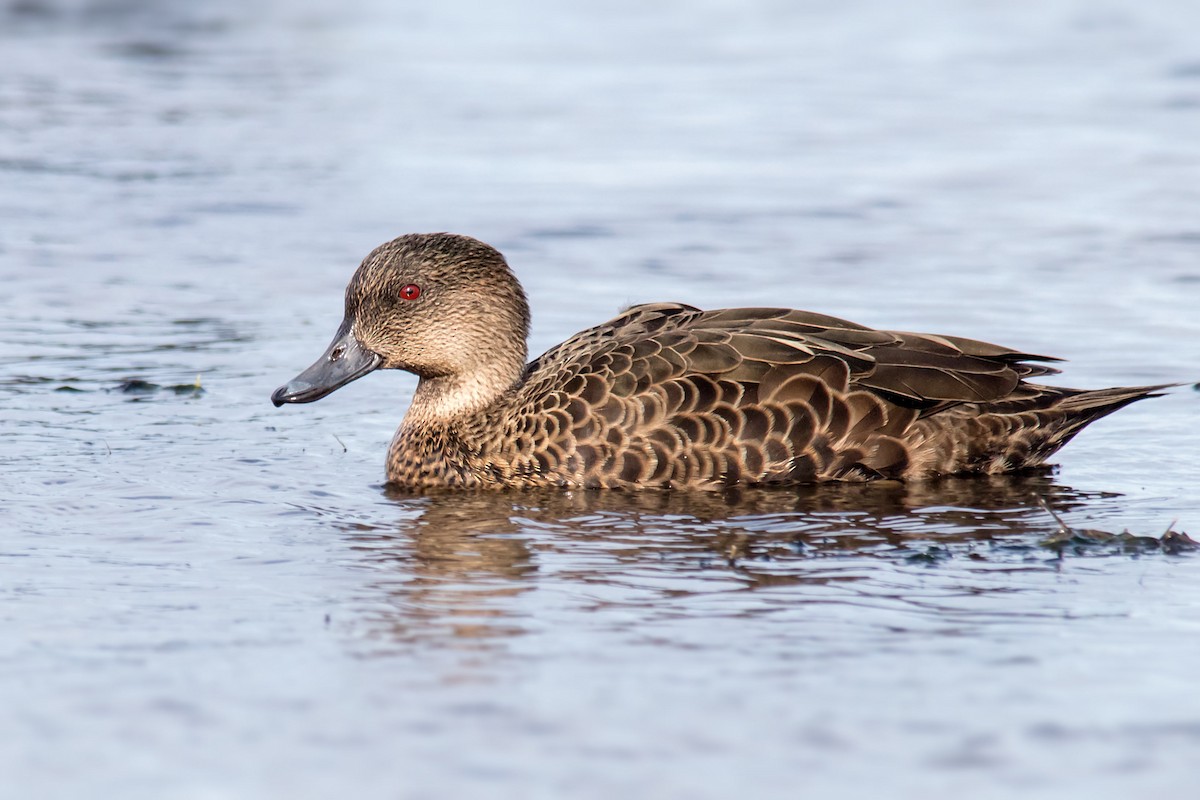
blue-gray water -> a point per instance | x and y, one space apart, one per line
204 597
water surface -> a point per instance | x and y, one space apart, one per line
207 597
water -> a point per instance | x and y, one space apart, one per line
206 597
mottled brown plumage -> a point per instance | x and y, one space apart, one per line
667 395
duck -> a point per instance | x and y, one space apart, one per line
669 396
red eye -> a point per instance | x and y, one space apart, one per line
410 291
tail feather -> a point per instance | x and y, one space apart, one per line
1083 407
1020 431
1106 401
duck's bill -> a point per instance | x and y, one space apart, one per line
345 360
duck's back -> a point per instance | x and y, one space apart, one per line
669 395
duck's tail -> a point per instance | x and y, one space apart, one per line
1081 407
1018 432
1092 404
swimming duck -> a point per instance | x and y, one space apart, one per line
667 395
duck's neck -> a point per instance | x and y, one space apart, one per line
443 439
448 399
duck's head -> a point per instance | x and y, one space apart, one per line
443 306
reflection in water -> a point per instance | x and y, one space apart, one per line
455 567
450 570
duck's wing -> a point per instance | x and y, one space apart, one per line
669 394
916 370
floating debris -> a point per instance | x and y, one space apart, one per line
931 555
1174 542
1082 540
141 388
137 386
188 389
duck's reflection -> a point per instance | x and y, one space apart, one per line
456 567
451 567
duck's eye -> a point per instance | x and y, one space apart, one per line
410 292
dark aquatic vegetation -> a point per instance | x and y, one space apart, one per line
139 387
1083 540
666 395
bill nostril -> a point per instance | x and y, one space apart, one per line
337 353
